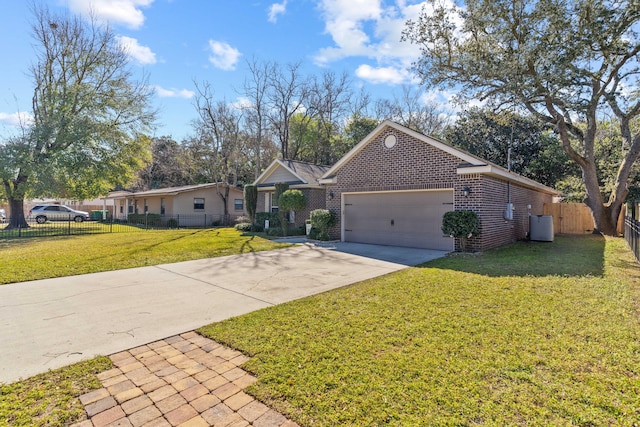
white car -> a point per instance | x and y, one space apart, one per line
3 215
44 213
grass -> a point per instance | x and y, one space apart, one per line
528 334
41 258
50 399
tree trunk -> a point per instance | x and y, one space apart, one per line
16 214
605 218
224 195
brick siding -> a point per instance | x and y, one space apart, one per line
413 164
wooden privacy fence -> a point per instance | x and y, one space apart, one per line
574 218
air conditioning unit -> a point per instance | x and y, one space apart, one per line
541 228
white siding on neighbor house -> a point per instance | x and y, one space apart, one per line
280 175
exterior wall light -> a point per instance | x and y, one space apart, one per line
330 195
466 191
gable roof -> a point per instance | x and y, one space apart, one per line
302 174
169 191
471 164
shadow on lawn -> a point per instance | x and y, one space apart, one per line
567 255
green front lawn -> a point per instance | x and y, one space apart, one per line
51 399
528 334
40 258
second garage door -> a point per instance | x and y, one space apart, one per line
397 218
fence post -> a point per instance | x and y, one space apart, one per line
69 225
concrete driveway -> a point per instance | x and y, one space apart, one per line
50 323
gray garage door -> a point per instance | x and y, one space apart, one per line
411 219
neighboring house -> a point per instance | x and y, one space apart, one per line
395 185
299 175
190 204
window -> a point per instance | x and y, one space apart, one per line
146 206
198 204
162 208
238 204
274 203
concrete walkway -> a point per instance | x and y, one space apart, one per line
50 323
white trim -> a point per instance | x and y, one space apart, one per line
272 168
293 186
331 180
498 172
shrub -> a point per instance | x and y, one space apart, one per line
244 226
274 231
274 219
172 223
462 225
251 201
144 219
241 219
281 187
291 200
321 220
257 228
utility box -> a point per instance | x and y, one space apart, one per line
541 228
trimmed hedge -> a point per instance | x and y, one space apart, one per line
145 219
274 219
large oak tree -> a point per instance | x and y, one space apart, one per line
568 62
89 116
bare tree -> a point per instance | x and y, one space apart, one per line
329 102
412 110
218 126
255 115
288 90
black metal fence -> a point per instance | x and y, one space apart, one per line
126 224
632 235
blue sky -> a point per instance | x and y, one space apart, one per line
179 41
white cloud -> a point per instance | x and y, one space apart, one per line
16 119
223 56
277 9
371 29
388 75
241 103
126 12
140 53
173 93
